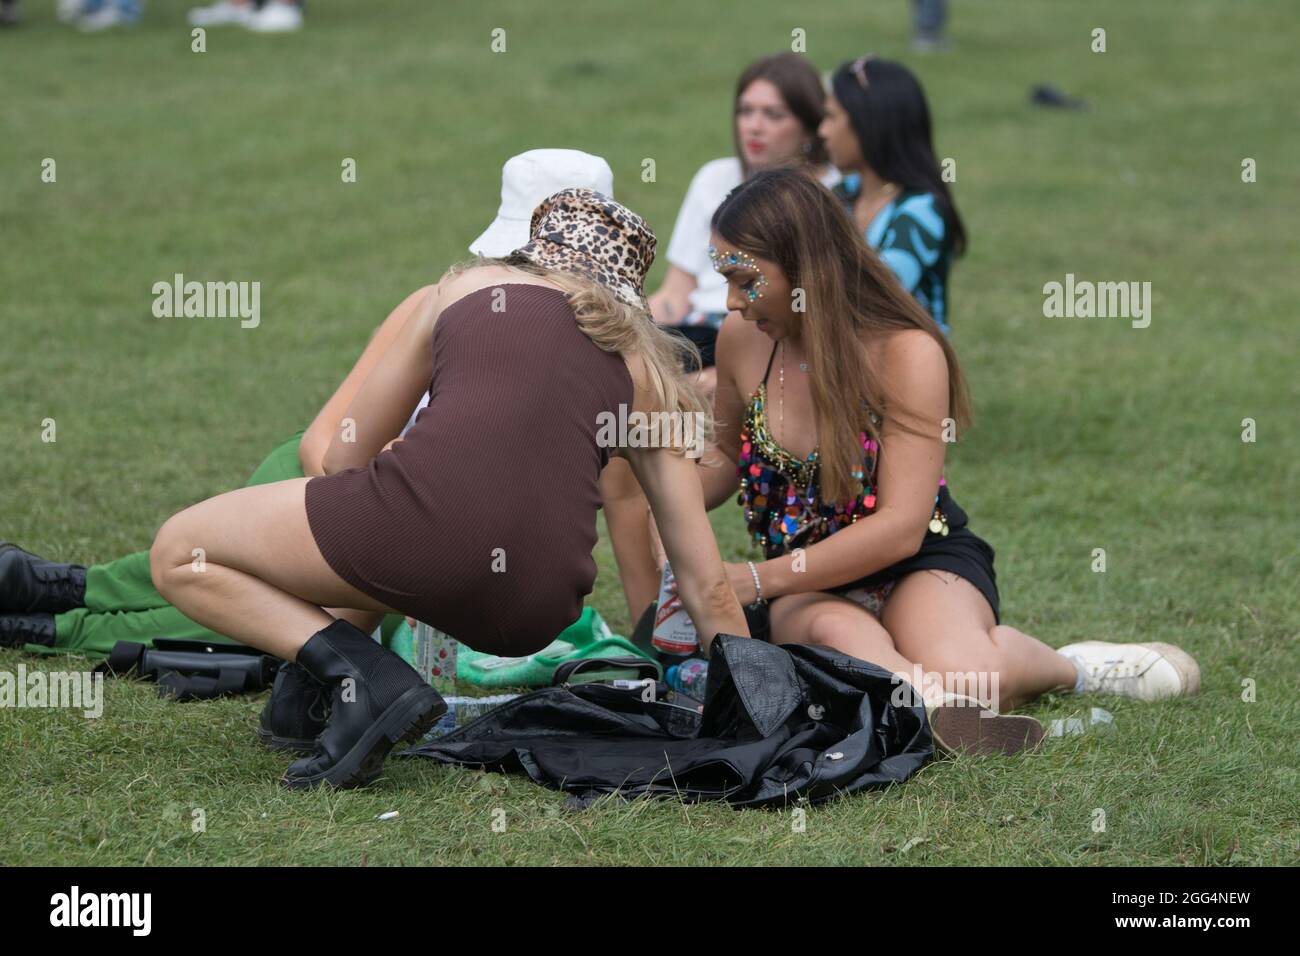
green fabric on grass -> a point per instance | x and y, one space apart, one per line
588 636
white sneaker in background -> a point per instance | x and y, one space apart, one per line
105 18
221 14
68 10
276 17
1143 671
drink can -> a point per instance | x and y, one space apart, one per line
674 632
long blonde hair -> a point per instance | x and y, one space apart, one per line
614 326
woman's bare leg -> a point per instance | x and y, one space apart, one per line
627 517
365 621
245 564
831 621
943 622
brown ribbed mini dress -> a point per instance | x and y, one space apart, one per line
481 521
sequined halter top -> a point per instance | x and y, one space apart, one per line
779 491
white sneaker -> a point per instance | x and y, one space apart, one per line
105 18
221 14
1144 671
276 18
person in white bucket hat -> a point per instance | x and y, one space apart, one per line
72 621
526 179
69 619
529 178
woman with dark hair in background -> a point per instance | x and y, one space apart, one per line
877 131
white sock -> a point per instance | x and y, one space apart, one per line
1079 680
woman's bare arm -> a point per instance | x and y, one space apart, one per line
718 464
672 300
393 387
911 463
672 485
671 482
311 450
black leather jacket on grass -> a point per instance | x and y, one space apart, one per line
779 723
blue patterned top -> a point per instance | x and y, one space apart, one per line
909 234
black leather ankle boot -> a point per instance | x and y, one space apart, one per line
29 583
19 629
296 713
376 700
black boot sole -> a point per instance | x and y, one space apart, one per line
297 745
406 720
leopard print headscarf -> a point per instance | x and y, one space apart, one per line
581 231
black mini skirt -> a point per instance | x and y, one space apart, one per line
961 552
705 338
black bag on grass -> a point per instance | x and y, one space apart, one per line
193 670
588 669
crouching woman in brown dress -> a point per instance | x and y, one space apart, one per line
482 520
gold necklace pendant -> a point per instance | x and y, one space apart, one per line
780 441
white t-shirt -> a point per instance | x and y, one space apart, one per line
424 400
688 249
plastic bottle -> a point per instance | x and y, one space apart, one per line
464 710
1074 726
689 677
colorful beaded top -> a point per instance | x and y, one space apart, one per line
779 491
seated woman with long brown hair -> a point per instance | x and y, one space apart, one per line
836 391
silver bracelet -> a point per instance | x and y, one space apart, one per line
758 587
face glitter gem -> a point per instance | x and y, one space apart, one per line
743 259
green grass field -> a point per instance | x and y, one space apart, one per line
1089 433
